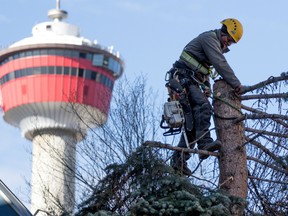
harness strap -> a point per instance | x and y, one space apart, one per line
192 61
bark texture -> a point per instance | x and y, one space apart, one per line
232 160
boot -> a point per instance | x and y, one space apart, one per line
179 159
202 115
213 146
179 164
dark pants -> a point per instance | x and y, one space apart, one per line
202 112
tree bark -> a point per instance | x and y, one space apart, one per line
233 161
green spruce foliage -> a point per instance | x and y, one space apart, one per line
145 185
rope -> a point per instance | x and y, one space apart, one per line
227 103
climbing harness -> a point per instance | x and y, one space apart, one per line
197 66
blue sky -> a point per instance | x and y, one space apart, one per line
149 34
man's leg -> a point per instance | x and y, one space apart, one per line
202 112
179 159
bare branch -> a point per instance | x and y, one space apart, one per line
275 143
270 80
258 194
266 151
263 96
261 112
258 145
175 148
267 164
261 116
267 180
266 132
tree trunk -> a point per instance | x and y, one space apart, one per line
232 161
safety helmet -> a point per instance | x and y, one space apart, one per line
234 28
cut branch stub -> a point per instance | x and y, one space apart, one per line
232 160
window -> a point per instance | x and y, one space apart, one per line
73 71
81 72
51 70
29 53
93 75
59 52
58 70
17 74
74 54
89 56
43 52
88 74
66 70
82 55
67 53
98 60
44 70
36 52
22 54
36 70
106 61
114 66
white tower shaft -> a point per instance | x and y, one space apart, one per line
53 168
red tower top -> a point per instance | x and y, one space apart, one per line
55 76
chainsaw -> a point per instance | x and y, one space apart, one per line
177 113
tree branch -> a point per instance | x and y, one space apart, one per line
267 180
261 116
283 76
168 146
267 164
266 132
261 112
258 194
263 96
275 143
258 145
266 151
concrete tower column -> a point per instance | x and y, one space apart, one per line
53 168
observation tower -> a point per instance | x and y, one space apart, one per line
54 86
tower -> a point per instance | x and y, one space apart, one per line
55 85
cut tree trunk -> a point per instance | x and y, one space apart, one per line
232 161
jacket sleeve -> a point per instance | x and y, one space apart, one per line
212 48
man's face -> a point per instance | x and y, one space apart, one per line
227 41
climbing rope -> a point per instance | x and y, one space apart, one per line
214 96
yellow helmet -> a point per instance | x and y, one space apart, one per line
234 28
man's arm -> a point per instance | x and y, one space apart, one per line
212 48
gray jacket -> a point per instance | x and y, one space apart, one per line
206 48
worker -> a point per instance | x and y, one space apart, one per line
193 71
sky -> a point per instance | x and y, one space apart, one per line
150 35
